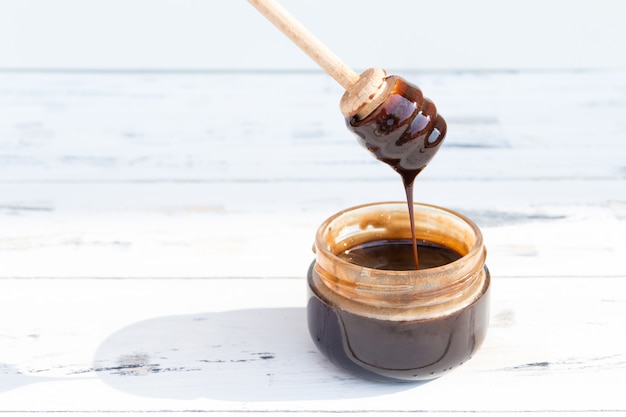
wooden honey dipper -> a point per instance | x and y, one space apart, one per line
390 116
404 133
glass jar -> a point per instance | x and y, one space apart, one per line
394 325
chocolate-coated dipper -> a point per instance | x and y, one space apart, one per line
394 121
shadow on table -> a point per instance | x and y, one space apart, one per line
241 355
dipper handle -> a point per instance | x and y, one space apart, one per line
363 92
307 42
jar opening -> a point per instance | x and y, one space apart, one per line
390 221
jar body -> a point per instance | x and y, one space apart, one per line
398 325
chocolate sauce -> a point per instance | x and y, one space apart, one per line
404 132
396 255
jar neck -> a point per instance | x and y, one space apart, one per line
422 293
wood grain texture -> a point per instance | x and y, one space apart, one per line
155 230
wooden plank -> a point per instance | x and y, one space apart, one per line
207 229
139 211
145 345
229 127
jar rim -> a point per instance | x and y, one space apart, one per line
473 250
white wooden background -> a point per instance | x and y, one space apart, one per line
156 228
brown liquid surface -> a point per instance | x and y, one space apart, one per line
397 255
405 132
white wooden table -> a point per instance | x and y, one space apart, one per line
156 228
